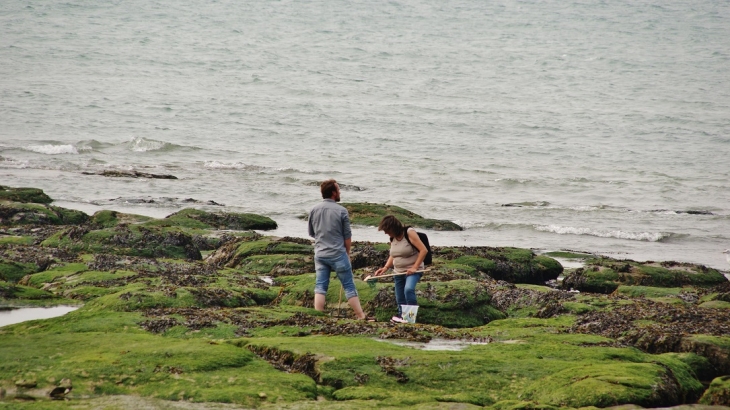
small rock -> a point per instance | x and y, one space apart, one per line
59 392
49 286
26 384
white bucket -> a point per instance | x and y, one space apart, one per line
409 312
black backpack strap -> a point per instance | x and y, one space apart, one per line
406 235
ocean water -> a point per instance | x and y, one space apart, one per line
586 125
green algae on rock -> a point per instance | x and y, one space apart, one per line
12 272
16 213
370 214
453 304
513 265
24 195
110 219
195 218
266 256
133 240
27 294
718 394
605 275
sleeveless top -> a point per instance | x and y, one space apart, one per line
404 254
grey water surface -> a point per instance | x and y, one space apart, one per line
586 125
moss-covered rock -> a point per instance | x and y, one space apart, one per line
15 213
20 292
700 365
24 195
132 240
110 219
269 256
605 275
13 271
454 304
718 394
604 385
592 279
198 219
513 265
371 214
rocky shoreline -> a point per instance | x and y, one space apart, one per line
198 307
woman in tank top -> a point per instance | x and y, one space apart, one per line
406 259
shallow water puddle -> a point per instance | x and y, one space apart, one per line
434 344
13 316
571 263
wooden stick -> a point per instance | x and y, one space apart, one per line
367 278
339 303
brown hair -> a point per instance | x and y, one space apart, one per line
391 225
328 188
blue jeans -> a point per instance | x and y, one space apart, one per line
405 289
339 264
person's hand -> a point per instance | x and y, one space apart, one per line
410 271
380 271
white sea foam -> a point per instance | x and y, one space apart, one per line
633 236
234 165
51 149
588 208
13 163
139 144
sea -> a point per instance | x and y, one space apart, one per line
583 125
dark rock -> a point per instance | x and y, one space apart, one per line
129 174
195 201
59 393
364 254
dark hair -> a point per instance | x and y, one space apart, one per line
391 225
328 188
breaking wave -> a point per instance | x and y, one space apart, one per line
253 168
618 234
13 163
235 165
53 149
140 144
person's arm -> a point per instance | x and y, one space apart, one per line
346 230
422 251
311 228
388 265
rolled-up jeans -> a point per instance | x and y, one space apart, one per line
341 265
405 290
